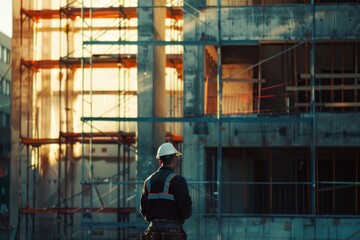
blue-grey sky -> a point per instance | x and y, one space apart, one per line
6 17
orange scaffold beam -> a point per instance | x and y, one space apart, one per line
99 61
171 137
108 61
27 210
96 138
110 12
100 137
73 13
37 142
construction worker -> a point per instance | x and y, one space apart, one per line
165 199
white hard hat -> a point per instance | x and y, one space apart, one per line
167 149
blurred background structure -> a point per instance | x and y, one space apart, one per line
261 96
5 95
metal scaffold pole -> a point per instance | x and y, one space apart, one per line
219 123
313 113
82 123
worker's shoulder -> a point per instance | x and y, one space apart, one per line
179 178
151 175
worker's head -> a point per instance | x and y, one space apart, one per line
166 153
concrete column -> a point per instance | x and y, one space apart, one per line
20 85
151 83
193 62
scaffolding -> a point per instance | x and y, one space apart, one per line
79 128
91 139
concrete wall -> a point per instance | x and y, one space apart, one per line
341 129
282 22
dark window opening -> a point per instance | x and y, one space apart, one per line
278 181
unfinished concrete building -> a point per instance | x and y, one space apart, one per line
261 96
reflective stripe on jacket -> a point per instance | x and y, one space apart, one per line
165 193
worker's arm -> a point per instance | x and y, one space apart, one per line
182 197
143 200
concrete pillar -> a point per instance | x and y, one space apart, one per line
151 83
18 117
193 62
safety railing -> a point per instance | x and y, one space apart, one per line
275 198
272 2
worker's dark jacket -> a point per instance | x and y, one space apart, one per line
165 195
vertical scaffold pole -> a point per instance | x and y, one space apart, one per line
82 123
313 114
219 113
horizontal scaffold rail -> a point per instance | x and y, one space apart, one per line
332 75
183 43
95 138
265 118
101 137
97 61
36 142
323 87
330 104
207 42
116 224
109 12
127 210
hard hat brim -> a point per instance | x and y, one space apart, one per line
178 154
